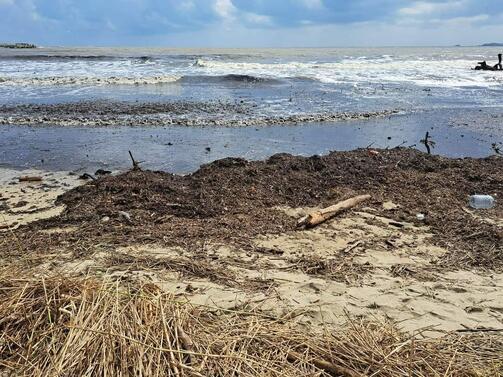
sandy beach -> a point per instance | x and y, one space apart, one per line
225 238
219 212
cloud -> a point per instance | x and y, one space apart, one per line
224 8
206 22
186 6
259 19
312 4
420 8
459 21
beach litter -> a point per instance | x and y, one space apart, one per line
421 216
482 201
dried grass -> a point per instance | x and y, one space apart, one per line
198 267
339 268
82 327
187 267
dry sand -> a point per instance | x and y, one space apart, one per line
394 267
25 202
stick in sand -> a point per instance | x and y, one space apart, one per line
27 178
136 164
428 143
325 214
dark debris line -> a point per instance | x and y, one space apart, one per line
181 113
229 202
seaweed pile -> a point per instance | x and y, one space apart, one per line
231 201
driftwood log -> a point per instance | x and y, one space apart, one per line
483 66
325 214
27 178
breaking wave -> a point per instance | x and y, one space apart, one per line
330 70
230 78
59 57
94 81
148 80
362 70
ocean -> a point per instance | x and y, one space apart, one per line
196 94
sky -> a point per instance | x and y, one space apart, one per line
251 23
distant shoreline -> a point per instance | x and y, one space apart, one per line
28 46
492 45
17 45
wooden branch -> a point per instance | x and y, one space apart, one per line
27 178
87 176
326 366
426 142
325 214
136 164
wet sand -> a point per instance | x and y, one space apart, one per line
180 149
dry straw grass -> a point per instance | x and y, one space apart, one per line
62 326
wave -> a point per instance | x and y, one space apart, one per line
95 81
60 57
349 71
76 57
353 70
230 78
147 80
200 63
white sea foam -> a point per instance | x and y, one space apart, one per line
435 73
444 68
87 81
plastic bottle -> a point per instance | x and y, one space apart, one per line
482 201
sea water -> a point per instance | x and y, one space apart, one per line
281 80
433 89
